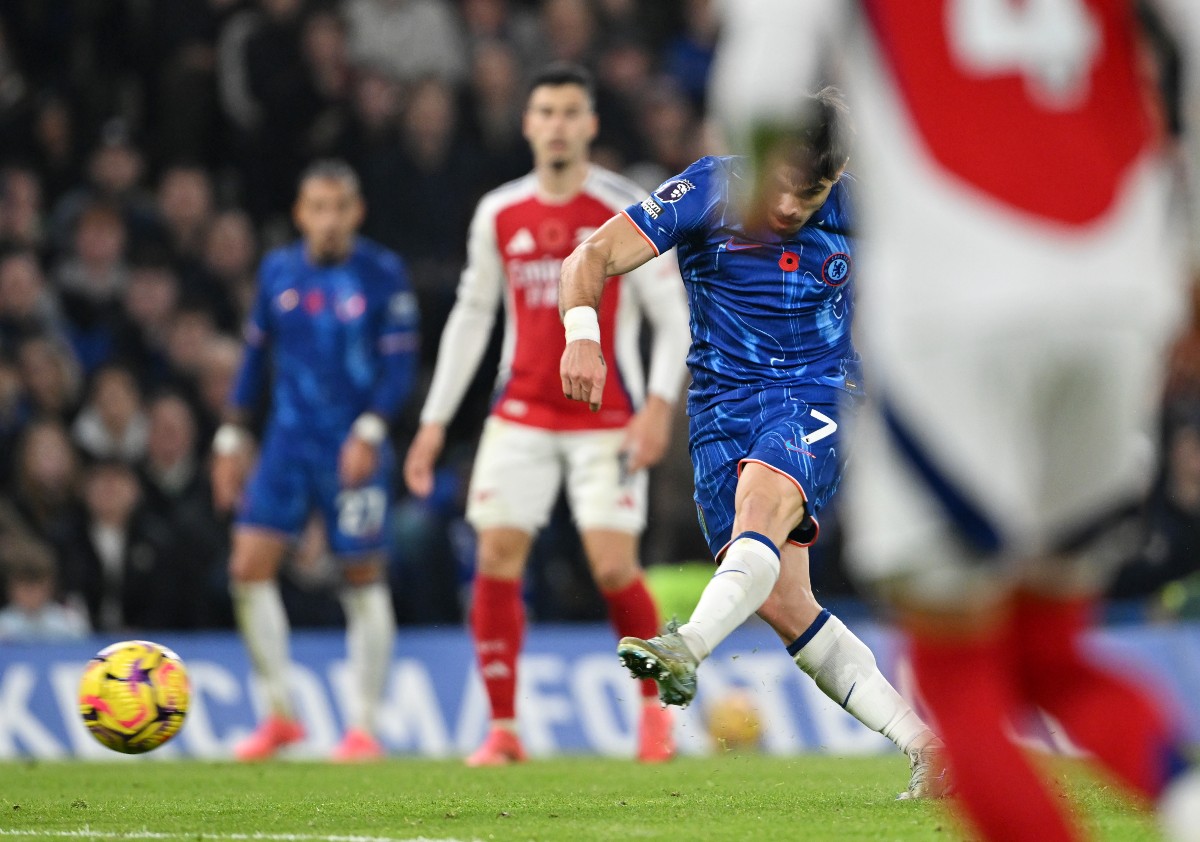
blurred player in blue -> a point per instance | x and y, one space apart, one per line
773 368
333 335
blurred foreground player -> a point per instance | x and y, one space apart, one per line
769 273
535 439
334 333
1022 276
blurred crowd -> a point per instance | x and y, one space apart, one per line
148 157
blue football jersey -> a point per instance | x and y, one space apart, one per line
336 340
764 311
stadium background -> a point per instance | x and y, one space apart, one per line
148 156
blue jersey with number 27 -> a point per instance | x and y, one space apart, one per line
765 311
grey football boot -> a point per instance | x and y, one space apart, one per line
929 776
665 659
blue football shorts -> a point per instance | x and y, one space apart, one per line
297 475
794 430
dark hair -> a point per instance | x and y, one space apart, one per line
564 73
820 143
334 169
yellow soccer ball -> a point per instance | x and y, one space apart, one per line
134 696
734 723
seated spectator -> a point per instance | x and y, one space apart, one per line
176 491
112 424
185 205
149 305
229 262
41 502
14 415
493 110
91 282
124 564
115 169
51 377
21 223
55 144
171 472
32 613
27 306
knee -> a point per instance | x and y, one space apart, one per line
501 557
246 567
615 576
366 572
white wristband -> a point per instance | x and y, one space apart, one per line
230 439
370 428
581 323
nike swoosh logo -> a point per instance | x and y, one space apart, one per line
795 449
846 700
734 245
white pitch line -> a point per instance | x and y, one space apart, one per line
88 833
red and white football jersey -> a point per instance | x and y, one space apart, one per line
518 240
982 89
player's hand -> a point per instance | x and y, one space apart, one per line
583 372
228 476
422 455
648 434
357 462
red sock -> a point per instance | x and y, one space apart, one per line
1103 712
632 612
969 687
498 626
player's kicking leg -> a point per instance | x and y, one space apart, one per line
498 629
263 625
766 507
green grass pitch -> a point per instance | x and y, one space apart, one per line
728 797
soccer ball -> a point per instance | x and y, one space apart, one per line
733 722
133 696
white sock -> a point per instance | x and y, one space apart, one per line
370 633
845 670
740 586
1179 808
263 624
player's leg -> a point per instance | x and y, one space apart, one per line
768 506
370 636
497 624
609 506
356 522
612 556
846 671
272 513
1104 712
966 664
263 625
514 483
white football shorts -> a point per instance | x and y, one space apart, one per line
1014 370
519 470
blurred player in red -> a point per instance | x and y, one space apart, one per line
1021 276
536 439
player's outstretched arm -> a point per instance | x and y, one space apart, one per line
615 248
422 456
